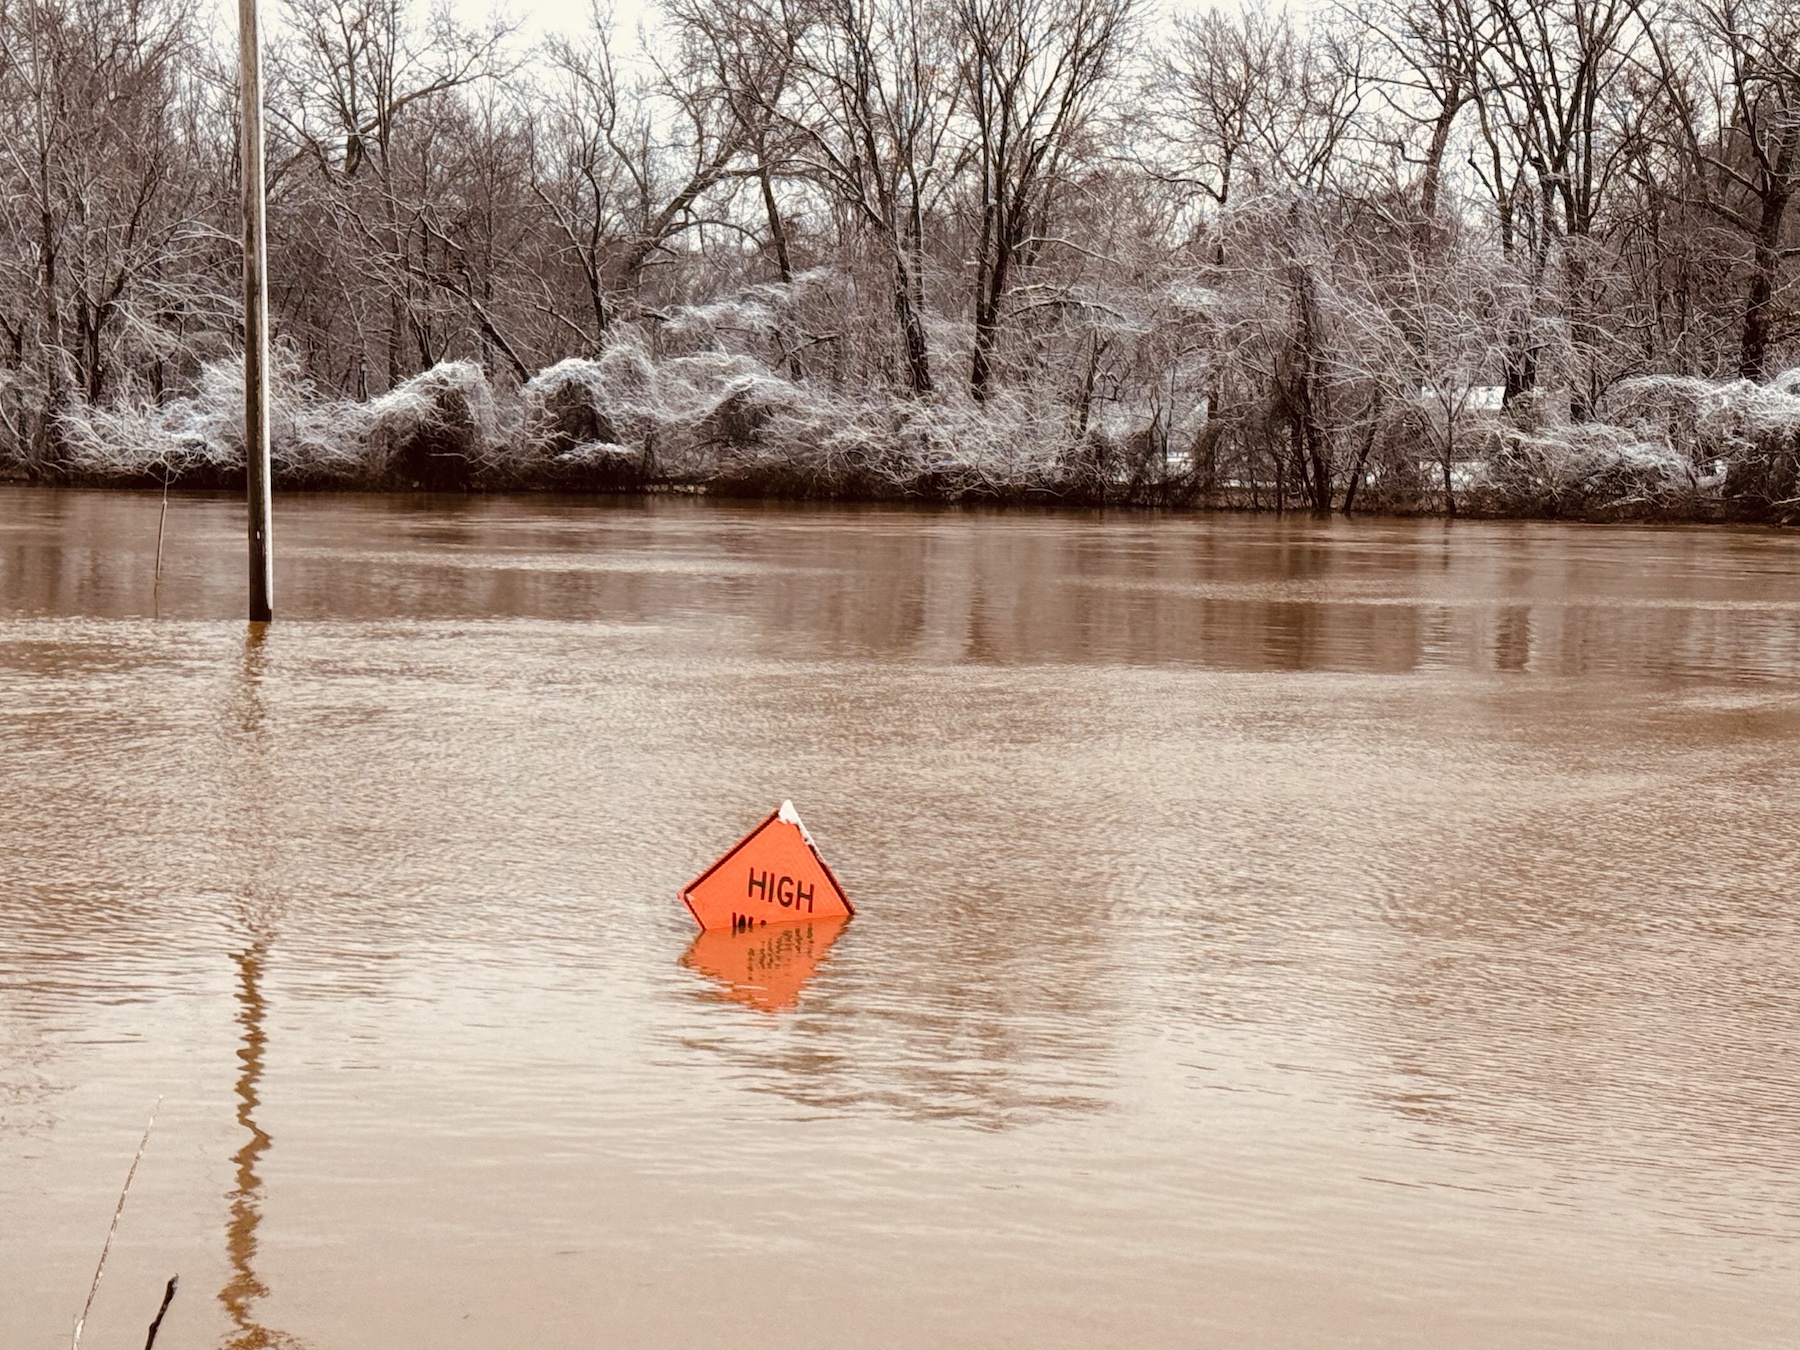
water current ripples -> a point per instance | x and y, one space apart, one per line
1271 933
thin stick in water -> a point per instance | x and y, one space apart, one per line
118 1209
160 520
156 1326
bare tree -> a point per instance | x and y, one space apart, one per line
874 95
748 49
1739 138
1210 90
1554 71
1032 73
103 190
1429 80
357 89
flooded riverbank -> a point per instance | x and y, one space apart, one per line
1270 933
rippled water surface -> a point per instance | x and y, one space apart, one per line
1270 934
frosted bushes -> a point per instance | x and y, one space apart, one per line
571 418
725 422
697 417
720 324
576 401
437 431
620 420
1584 469
674 414
780 324
594 466
708 402
1664 445
764 434
195 438
961 449
198 439
767 434
704 419
774 435
566 406
1138 456
1738 438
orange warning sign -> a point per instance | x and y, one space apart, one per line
774 874
763 968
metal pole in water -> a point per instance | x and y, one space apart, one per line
256 316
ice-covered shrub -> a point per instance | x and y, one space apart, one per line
594 466
658 408
436 431
1582 469
722 324
571 437
566 407
198 440
1740 439
703 418
767 435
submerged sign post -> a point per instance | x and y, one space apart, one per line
774 874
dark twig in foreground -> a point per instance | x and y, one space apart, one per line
156 1326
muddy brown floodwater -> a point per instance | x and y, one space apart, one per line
1270 933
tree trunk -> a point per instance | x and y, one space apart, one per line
1084 403
1297 446
987 322
395 321
93 321
777 231
980 365
1315 466
1207 443
1753 350
912 331
1431 184
47 438
1521 368
596 285
1582 332
1519 361
1362 456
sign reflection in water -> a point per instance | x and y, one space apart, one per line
763 968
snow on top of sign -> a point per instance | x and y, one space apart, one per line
792 817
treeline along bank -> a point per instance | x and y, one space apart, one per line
1415 255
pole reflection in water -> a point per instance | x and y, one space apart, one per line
763 968
244 1287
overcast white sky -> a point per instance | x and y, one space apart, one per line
550 16
535 17
542 16
539 17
